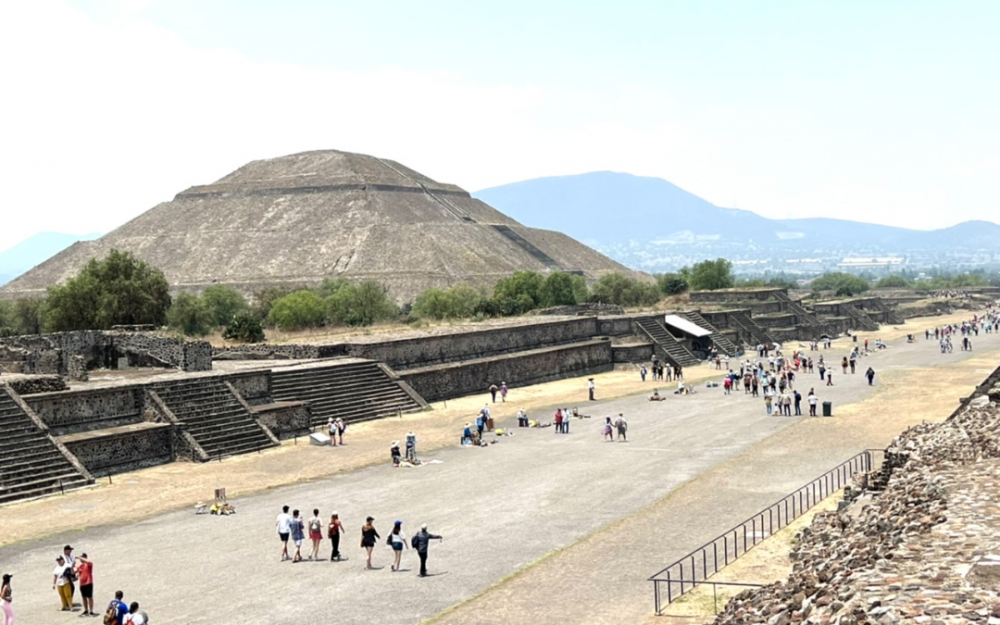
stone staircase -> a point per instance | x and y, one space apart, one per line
797 308
758 335
722 343
353 391
862 320
31 463
214 416
668 347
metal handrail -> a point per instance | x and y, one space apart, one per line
694 568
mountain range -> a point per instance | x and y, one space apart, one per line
34 250
646 222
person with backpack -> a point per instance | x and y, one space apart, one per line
116 611
135 616
333 532
341 428
331 430
397 540
298 534
421 541
315 534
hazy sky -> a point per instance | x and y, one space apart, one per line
872 110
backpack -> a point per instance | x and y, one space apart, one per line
315 525
111 614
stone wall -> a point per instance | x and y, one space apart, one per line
736 295
254 387
285 419
636 353
521 369
165 350
26 385
81 411
123 449
440 349
263 351
777 321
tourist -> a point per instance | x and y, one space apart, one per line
135 617
854 361
62 576
411 447
71 563
642 372
493 392
829 378
870 374
727 385
522 418
467 434
608 430
298 535
341 427
85 573
116 609
754 386
798 403
369 535
315 534
421 541
768 400
559 420
331 429
284 526
656 396
566 417
786 404
843 365
621 426
813 400
590 388
394 453
503 391
333 532
397 540
7 599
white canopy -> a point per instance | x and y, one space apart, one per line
686 326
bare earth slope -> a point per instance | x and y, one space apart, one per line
300 218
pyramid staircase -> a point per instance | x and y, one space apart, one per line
862 320
721 342
668 347
797 308
210 411
353 391
748 326
32 464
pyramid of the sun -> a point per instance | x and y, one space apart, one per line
297 219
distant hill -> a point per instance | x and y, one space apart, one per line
644 221
34 250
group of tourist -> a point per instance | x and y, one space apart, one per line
502 390
661 371
335 428
411 451
293 527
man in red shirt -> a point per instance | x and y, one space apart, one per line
85 571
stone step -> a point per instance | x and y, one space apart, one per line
239 448
182 412
27 447
25 454
23 471
39 488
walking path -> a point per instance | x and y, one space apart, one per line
500 509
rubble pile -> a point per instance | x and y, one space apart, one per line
926 550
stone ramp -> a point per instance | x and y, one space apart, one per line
214 415
750 328
32 464
864 321
667 346
797 308
353 391
723 344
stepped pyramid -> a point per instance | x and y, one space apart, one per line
298 219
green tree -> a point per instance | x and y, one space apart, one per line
329 286
709 275
458 302
29 315
615 288
223 303
843 284
561 289
522 287
967 279
894 282
264 299
6 318
245 328
671 283
298 310
118 290
361 304
191 315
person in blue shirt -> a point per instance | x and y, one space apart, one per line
121 610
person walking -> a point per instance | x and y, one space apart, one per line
768 399
369 535
7 599
622 427
283 525
503 392
61 576
116 610
591 387
642 372
829 378
813 400
333 532
607 430
315 534
85 573
843 365
493 392
559 420
397 540
870 374
135 616
298 535
421 541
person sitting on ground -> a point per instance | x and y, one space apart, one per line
467 434
394 452
522 418
656 396
681 389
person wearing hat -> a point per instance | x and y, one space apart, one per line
590 388
85 571
421 541
411 447
394 453
7 599
61 576
368 537
397 540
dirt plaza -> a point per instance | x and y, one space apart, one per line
566 521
